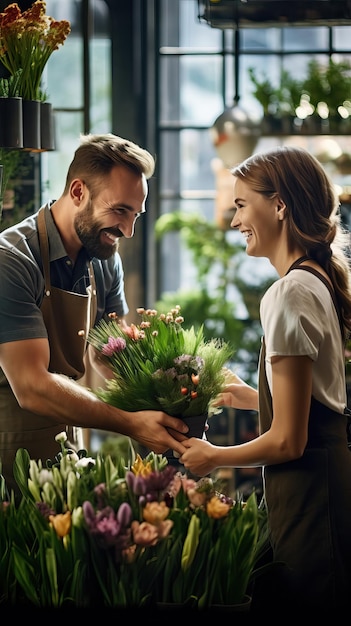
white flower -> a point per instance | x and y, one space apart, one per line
77 517
61 437
84 463
45 476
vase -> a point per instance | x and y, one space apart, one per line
170 606
47 127
197 428
243 606
11 122
31 125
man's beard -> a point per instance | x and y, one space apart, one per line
89 232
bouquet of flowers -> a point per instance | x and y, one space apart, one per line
160 365
92 532
27 41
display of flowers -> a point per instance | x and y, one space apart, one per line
27 41
93 532
160 365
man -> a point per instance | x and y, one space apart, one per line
60 273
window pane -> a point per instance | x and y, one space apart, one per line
55 164
169 97
100 73
180 26
305 38
196 155
176 266
186 163
342 37
168 166
192 32
199 100
64 76
260 38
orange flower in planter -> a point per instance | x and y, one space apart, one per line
27 41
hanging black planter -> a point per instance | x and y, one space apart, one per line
11 122
31 125
47 126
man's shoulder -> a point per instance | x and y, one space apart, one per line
20 231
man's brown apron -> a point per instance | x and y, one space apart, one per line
68 317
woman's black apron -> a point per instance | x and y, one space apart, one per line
309 509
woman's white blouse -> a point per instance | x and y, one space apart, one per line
298 318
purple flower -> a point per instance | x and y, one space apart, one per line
136 484
114 344
124 514
101 495
170 373
109 528
45 509
186 361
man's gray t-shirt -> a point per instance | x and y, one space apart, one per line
22 280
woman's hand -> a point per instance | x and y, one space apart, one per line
236 393
198 457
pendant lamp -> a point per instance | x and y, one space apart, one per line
235 133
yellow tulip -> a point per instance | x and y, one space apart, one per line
62 523
155 512
216 508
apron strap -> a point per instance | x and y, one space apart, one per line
44 249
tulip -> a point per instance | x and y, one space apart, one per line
191 542
216 508
62 523
155 512
144 534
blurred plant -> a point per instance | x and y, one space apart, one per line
328 87
9 159
218 261
15 165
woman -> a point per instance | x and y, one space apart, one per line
287 211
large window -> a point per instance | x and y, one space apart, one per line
197 80
78 83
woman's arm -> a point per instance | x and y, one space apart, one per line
284 441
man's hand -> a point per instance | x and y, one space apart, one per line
158 431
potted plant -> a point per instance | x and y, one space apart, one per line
318 104
90 532
328 87
11 115
27 40
159 365
278 103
